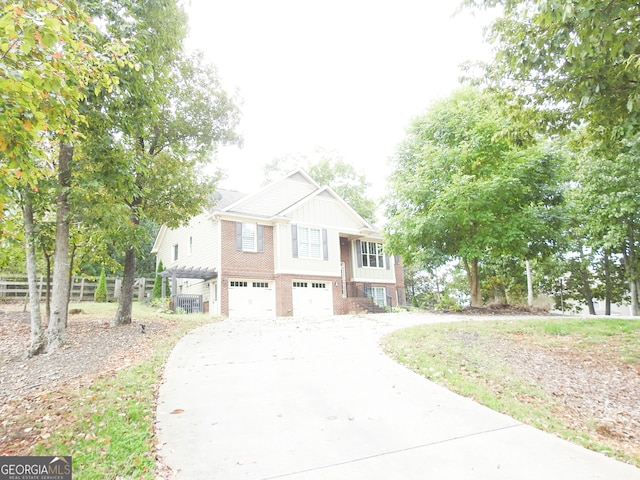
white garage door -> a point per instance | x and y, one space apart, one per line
252 298
311 299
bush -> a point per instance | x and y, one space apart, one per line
157 284
101 290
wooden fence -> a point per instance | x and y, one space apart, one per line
82 289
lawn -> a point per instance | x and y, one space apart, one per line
577 378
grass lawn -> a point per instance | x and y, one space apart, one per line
108 427
555 374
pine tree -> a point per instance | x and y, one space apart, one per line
101 290
157 284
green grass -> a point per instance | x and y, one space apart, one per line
460 357
109 426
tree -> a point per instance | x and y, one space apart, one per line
169 116
48 63
328 168
463 188
101 290
581 61
606 192
157 284
582 58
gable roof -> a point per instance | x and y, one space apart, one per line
223 198
275 197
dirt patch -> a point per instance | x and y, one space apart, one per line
35 388
599 392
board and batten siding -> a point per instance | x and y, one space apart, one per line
325 210
286 263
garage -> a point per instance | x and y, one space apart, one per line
252 298
312 298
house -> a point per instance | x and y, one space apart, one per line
291 248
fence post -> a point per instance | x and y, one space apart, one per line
141 288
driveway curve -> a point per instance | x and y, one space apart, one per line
318 399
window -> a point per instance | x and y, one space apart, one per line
372 255
379 296
309 242
175 252
260 284
318 285
300 284
249 237
236 283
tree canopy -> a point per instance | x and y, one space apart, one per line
576 64
462 188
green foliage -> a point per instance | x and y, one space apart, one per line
463 189
157 283
49 64
101 290
581 58
576 63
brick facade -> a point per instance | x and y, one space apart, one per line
239 264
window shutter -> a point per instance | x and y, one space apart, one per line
239 236
294 240
359 253
387 261
325 245
260 234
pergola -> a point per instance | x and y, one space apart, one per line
185 272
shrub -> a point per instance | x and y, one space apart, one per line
157 284
101 290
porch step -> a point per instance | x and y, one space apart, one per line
364 305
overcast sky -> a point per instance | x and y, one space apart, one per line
344 75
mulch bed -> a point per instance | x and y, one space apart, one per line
37 388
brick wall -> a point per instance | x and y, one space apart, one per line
400 288
239 264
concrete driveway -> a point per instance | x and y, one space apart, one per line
318 399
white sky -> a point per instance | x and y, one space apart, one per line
344 75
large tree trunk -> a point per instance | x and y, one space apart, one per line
37 337
60 295
125 302
474 281
586 290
